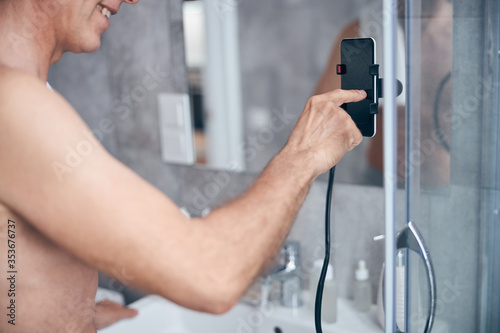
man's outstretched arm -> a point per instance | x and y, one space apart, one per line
106 215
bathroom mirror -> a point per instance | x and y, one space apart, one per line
252 67
254 64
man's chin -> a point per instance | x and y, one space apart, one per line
93 49
89 46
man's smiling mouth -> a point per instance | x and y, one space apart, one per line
104 11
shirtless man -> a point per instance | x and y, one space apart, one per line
104 217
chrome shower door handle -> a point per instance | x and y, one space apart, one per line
410 238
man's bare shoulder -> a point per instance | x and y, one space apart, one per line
37 127
20 90
12 79
26 97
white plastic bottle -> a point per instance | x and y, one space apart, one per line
329 303
362 288
400 293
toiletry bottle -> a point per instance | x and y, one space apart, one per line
400 293
362 288
329 303
400 290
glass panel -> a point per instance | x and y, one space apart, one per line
451 138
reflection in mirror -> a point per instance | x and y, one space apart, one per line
195 43
213 62
254 64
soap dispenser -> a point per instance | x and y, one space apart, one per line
362 288
329 304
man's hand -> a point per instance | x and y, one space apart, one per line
324 131
108 312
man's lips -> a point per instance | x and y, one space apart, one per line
104 11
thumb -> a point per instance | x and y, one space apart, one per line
108 313
130 313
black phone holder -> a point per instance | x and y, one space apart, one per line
374 71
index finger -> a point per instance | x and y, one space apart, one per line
340 96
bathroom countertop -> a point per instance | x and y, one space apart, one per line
157 315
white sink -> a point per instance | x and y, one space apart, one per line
158 315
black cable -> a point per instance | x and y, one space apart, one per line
321 283
437 126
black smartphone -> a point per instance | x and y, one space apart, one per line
357 55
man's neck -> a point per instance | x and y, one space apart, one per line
32 48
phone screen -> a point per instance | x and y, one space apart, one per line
357 55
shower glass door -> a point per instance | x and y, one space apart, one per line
448 164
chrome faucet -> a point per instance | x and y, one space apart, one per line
288 273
